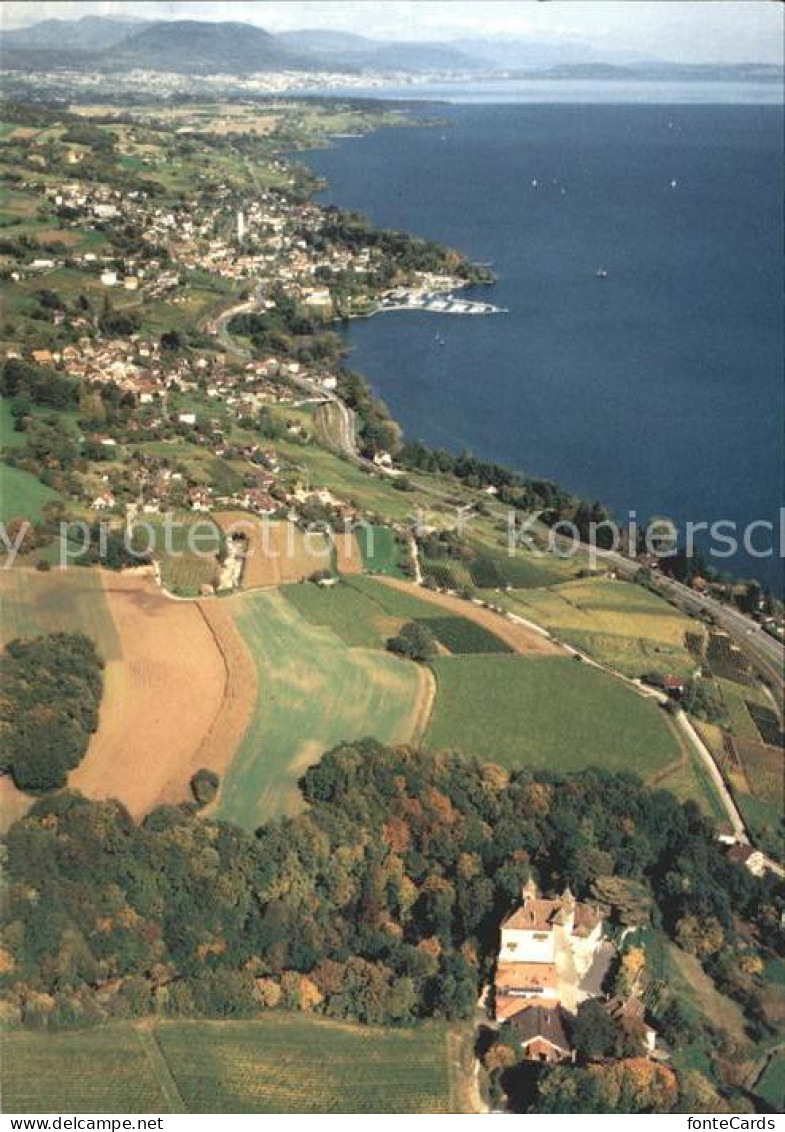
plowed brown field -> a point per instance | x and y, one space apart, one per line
164 699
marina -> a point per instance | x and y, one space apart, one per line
435 301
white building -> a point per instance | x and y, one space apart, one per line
545 944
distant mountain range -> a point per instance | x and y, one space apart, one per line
197 47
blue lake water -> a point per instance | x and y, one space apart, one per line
658 388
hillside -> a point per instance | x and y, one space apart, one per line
91 33
196 47
342 50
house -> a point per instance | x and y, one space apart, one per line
260 502
201 498
109 278
673 685
544 942
105 500
543 1033
748 856
187 418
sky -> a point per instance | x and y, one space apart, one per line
700 31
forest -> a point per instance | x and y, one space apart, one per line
51 692
380 903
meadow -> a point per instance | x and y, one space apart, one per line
365 613
380 550
313 693
22 496
546 712
280 1063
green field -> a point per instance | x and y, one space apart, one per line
400 604
462 636
365 613
280 1063
22 496
344 609
68 601
546 712
313 692
380 551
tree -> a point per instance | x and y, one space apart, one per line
415 641
51 691
632 1086
172 340
204 786
595 1034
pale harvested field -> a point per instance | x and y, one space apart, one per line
162 698
518 637
278 553
348 557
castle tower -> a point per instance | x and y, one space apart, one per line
530 890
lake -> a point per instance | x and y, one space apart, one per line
658 388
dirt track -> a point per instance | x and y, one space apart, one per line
239 699
518 637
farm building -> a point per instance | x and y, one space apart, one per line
543 1033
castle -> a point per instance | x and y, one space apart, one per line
547 948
